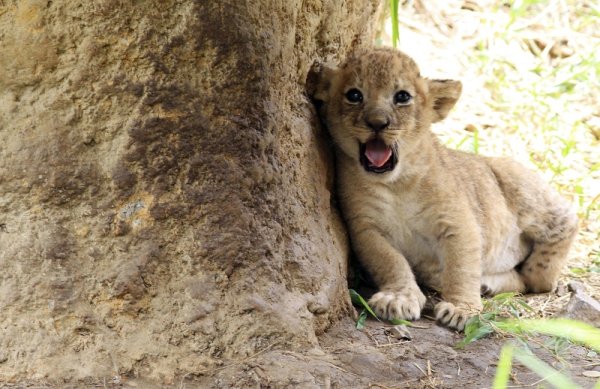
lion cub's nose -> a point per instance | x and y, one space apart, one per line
377 123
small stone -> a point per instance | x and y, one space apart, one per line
591 373
561 290
399 332
577 287
316 352
581 306
592 354
561 49
471 128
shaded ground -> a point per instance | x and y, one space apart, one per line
373 358
370 358
380 355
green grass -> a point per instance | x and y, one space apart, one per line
592 268
542 369
570 330
360 302
394 18
541 100
495 310
502 315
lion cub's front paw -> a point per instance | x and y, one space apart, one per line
405 304
453 316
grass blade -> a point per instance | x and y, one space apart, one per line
398 322
362 318
358 300
394 16
476 332
524 305
573 330
504 296
504 367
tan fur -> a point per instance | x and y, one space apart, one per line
456 222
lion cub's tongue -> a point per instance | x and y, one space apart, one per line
377 152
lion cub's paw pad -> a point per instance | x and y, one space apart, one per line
403 305
453 316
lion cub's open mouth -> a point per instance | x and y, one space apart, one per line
377 157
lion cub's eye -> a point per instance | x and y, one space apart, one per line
402 97
354 96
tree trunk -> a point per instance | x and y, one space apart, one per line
165 188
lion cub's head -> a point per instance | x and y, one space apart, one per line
376 106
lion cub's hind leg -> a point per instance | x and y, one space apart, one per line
509 281
542 269
552 226
545 218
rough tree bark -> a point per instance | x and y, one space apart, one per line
165 188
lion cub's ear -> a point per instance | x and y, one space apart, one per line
318 81
444 94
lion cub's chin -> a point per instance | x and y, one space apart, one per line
384 177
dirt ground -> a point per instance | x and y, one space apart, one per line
423 356
374 358
369 358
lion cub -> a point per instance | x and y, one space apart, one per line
419 212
